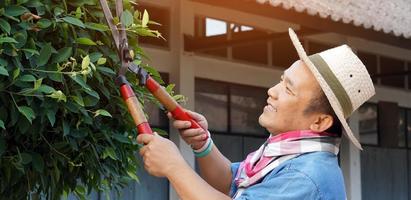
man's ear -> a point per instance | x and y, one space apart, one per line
322 123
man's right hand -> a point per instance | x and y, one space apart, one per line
196 138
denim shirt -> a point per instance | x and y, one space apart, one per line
309 176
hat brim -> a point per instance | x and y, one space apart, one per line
325 87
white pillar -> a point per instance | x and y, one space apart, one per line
351 161
182 71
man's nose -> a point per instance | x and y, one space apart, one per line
273 92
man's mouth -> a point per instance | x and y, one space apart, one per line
270 108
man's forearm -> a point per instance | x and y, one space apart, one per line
189 186
215 168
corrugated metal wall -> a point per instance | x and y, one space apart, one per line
385 174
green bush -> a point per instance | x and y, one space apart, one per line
63 125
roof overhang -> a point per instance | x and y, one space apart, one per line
318 21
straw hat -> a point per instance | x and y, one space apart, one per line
343 78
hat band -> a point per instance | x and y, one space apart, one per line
333 82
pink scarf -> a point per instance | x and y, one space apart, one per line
280 148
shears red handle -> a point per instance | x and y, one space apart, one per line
168 102
134 107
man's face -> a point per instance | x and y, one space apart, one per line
288 99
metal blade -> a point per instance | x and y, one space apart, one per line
110 21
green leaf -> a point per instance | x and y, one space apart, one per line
93 93
15 10
27 78
97 27
58 11
121 138
43 23
109 152
78 13
95 56
3 71
3 62
45 54
46 89
85 41
7 40
127 18
31 51
38 162
102 112
37 84
51 115
133 175
59 95
25 158
2 124
79 100
27 112
5 26
16 73
101 61
66 128
81 82
106 70
85 63
62 55
73 21
80 190
145 19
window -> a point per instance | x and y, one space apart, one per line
370 62
392 72
409 75
368 124
402 128
211 100
215 27
408 127
232 112
246 105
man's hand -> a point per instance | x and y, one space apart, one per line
161 156
193 137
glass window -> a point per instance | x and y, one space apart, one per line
368 124
211 100
408 118
402 128
215 27
392 72
246 104
370 61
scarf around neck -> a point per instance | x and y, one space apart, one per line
278 149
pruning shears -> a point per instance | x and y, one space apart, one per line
134 107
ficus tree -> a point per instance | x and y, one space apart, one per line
63 125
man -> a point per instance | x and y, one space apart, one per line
304 114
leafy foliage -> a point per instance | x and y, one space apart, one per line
63 126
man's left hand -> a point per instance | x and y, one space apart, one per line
161 156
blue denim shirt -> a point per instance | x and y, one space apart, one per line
309 176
